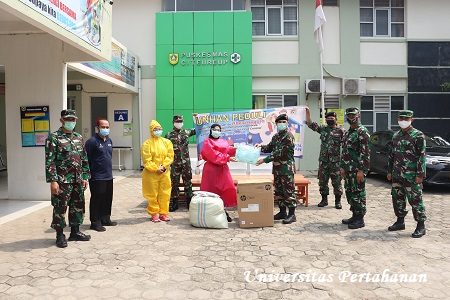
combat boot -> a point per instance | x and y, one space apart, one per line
173 205
324 201
291 216
398 225
358 222
61 241
337 202
281 215
420 230
349 220
77 235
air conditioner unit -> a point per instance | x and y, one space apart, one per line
353 86
312 86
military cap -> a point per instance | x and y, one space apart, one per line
406 113
68 113
330 114
352 111
178 118
282 117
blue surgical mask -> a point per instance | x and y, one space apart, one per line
104 131
69 125
157 132
216 134
281 126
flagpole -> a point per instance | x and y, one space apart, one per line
322 84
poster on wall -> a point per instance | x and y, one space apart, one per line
127 129
252 126
81 18
35 125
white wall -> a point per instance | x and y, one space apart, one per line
427 20
331 36
275 52
381 53
268 84
386 85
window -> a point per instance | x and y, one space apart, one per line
203 5
381 112
274 17
330 3
273 101
382 18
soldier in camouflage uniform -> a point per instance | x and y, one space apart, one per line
181 166
355 163
330 154
406 169
67 171
281 148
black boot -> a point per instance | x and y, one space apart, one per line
97 226
398 225
106 221
61 241
337 202
324 201
358 222
173 206
281 215
349 220
229 219
291 216
420 230
77 235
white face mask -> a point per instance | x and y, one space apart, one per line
178 125
404 124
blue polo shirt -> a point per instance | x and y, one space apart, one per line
99 154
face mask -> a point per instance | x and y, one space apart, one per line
352 122
216 134
157 132
69 125
404 124
104 131
178 125
331 122
281 126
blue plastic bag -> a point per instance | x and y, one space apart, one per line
247 154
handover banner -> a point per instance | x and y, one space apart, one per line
252 127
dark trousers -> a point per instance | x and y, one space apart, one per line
101 200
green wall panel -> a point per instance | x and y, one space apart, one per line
227 69
164 117
242 92
244 67
164 34
183 28
203 28
164 93
163 67
180 69
203 69
223 92
183 95
223 28
203 92
242 30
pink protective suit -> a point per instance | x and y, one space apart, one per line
216 176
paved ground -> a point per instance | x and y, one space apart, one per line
141 260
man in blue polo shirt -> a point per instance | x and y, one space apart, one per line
99 152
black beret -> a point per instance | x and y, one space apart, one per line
330 114
178 118
282 117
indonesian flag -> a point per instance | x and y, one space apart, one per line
318 22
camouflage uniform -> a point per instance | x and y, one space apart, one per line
181 166
406 162
355 157
66 163
329 158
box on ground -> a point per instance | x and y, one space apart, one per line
255 204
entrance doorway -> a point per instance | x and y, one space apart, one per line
99 109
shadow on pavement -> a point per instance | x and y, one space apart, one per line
27 245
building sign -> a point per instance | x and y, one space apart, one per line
35 125
81 18
120 115
252 126
204 58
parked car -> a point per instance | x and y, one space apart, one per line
437 159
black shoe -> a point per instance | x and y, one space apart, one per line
324 201
229 219
281 215
61 241
398 225
337 202
109 223
420 230
77 235
173 206
291 216
97 226
358 222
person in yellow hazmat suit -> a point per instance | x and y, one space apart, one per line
157 156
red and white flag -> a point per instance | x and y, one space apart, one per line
318 22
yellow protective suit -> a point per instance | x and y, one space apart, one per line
156 187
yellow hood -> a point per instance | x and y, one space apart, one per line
153 125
